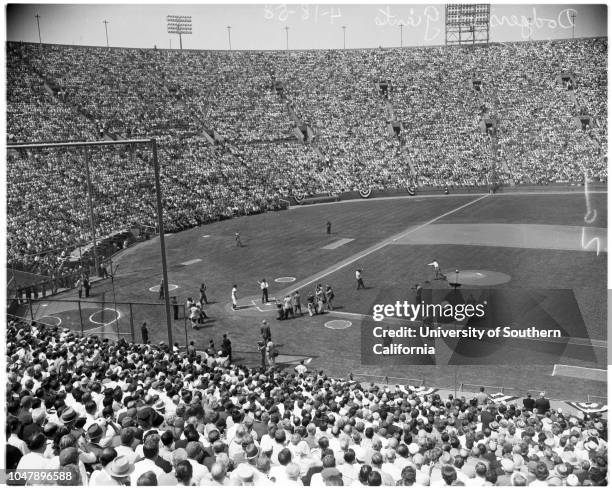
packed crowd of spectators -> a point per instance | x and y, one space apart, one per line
116 413
539 138
32 113
185 99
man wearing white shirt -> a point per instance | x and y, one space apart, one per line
436 267
263 284
90 414
278 472
166 446
479 480
234 297
278 444
35 459
359 278
195 452
292 479
349 468
150 451
235 449
14 440
125 449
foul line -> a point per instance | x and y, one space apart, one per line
376 247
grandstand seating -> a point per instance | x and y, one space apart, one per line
182 97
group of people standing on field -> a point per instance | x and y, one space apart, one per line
289 306
320 300
195 309
83 283
317 302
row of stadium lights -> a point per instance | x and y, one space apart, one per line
229 35
181 24
105 22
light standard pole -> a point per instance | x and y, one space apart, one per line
38 24
287 37
344 36
529 22
229 36
162 244
106 31
401 26
573 16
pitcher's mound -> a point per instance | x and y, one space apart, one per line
477 277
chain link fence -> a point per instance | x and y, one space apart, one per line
105 319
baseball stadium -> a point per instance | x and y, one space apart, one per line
208 231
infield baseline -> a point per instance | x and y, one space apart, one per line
377 246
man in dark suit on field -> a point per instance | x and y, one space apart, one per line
175 307
542 405
487 416
145 333
265 331
528 403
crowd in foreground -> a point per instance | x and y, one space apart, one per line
116 413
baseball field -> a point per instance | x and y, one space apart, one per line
548 247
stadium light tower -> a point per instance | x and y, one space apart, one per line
573 17
401 26
467 23
38 25
344 37
229 36
287 37
179 24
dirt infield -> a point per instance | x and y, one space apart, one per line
551 237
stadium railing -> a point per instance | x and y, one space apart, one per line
472 388
385 379
597 399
